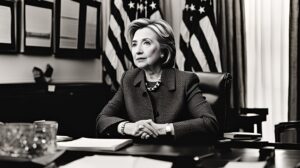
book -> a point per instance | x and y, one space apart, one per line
93 144
242 135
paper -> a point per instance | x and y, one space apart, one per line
91 28
69 23
93 144
38 26
5 24
246 164
97 161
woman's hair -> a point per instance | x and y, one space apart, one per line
165 37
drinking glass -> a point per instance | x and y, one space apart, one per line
2 134
45 137
17 139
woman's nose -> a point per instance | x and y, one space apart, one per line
139 49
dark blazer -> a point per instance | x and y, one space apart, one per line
181 103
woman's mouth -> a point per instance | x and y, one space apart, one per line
141 59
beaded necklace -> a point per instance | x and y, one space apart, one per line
153 88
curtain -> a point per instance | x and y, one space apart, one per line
267 31
294 100
230 16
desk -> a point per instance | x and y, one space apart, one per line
183 156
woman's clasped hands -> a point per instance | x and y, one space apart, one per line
145 129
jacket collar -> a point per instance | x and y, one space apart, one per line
168 78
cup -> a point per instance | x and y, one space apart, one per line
45 137
2 134
17 139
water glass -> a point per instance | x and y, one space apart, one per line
2 135
17 139
45 137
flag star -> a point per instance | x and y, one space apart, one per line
187 7
201 9
131 4
192 7
153 5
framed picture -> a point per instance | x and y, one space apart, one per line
92 45
68 25
8 28
38 27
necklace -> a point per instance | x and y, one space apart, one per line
153 88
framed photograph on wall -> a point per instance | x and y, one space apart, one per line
67 29
92 45
38 27
8 28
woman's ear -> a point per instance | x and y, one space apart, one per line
163 53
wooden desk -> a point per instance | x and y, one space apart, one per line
184 156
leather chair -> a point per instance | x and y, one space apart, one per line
288 132
216 89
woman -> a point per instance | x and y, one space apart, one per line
156 101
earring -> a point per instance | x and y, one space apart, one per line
161 56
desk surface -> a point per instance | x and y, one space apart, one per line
184 156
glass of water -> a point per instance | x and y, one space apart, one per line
45 137
17 139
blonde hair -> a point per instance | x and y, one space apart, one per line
165 37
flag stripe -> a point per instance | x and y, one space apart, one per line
116 47
212 40
206 50
117 15
110 70
200 56
190 59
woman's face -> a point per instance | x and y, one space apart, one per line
145 48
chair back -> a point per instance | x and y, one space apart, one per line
288 132
216 89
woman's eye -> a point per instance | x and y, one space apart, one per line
133 44
147 42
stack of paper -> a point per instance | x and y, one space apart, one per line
93 144
260 164
97 161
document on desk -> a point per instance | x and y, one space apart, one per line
260 164
93 144
97 161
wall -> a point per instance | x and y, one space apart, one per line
18 69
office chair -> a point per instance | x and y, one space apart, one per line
216 89
288 132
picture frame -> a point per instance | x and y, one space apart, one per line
9 28
68 28
38 27
92 41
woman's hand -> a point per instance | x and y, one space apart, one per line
142 128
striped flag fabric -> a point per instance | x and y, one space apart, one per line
117 57
199 48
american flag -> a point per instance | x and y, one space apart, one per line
117 57
199 47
